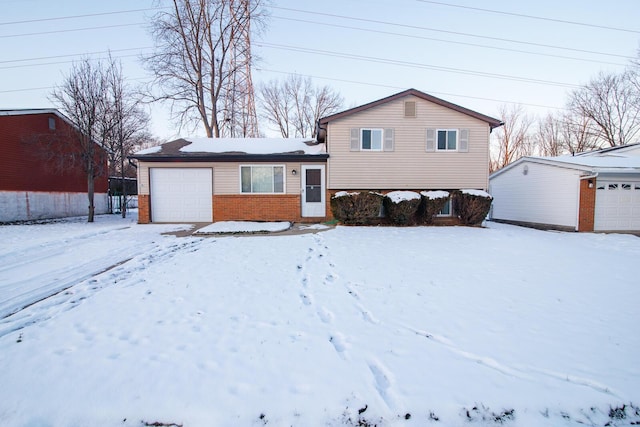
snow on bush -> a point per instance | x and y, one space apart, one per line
402 206
438 194
472 206
356 208
401 196
478 193
432 203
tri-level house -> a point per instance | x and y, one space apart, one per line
407 141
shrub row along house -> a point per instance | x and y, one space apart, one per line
407 141
41 175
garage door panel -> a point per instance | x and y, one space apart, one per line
617 205
181 194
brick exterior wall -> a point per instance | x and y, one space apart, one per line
236 207
37 158
586 215
144 213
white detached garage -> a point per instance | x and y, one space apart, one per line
594 191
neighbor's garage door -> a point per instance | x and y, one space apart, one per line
181 194
617 205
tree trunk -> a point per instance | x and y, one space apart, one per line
90 191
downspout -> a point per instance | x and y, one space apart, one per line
593 176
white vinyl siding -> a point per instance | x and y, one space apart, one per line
409 165
544 195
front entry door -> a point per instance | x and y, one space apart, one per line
313 191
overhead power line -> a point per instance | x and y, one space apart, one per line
502 49
137 24
342 81
59 18
522 15
73 55
404 87
417 27
414 65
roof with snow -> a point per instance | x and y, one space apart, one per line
613 151
620 164
235 149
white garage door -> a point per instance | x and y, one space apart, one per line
181 194
617 205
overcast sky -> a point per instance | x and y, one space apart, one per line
365 50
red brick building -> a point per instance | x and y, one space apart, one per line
41 175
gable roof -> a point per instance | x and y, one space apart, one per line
618 149
493 123
235 150
591 165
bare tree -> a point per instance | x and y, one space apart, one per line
81 98
565 132
548 136
612 103
294 105
578 134
202 61
123 123
512 140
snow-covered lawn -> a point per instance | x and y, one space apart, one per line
359 326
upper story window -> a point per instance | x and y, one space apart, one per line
262 179
52 123
371 139
447 139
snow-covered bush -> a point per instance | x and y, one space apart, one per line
472 206
432 203
401 206
356 208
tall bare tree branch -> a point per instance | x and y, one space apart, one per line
196 63
294 105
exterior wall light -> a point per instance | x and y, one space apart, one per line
294 172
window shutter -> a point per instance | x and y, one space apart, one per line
431 140
463 143
355 139
388 140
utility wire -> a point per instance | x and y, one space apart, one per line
73 55
342 81
137 24
416 27
59 18
522 15
59 62
528 52
414 65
